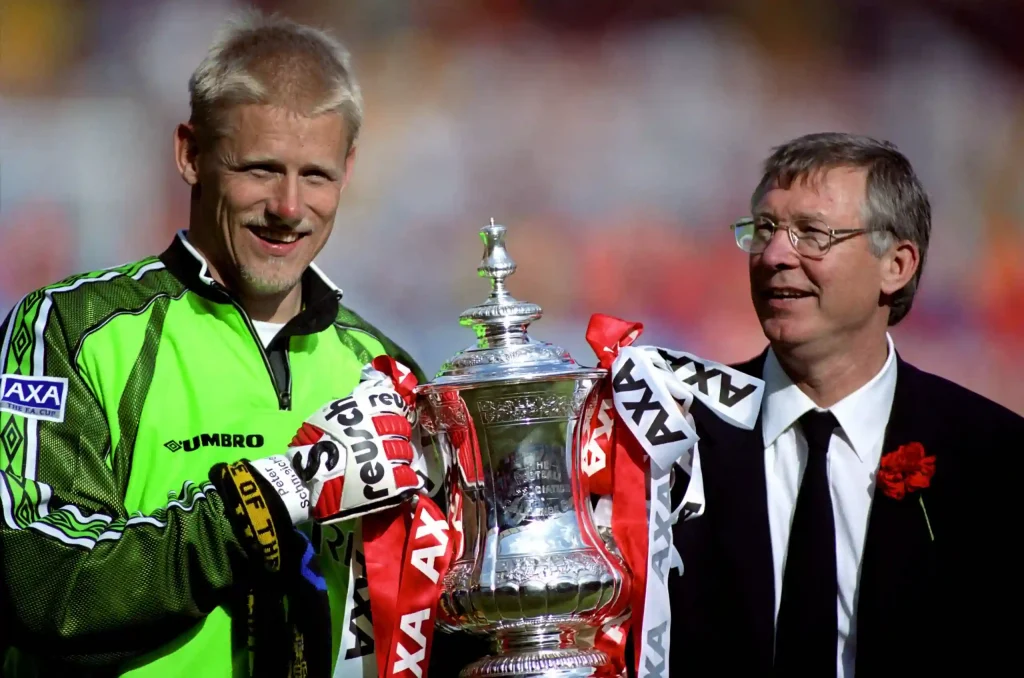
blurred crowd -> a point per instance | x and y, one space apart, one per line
615 144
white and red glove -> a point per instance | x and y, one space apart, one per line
355 455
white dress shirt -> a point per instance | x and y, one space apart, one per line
854 453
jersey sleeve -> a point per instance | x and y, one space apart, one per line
82 580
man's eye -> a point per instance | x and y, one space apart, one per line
813 235
317 177
258 171
808 229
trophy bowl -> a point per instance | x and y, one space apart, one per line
530 570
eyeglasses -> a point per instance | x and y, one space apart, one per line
809 237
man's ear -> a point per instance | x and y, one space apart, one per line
186 153
899 265
350 160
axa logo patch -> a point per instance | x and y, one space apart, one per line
36 397
215 440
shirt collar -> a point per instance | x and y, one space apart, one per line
862 414
320 297
202 269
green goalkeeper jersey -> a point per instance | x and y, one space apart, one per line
121 389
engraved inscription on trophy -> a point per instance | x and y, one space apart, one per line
532 485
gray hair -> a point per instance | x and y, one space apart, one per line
896 205
259 59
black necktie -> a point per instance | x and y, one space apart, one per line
806 633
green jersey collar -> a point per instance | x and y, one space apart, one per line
320 297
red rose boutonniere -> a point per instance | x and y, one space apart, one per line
907 470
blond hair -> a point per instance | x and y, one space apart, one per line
260 59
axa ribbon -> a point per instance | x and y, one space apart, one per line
651 388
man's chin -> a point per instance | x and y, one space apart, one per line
785 332
263 283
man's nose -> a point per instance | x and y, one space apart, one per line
780 253
286 203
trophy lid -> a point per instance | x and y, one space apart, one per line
504 351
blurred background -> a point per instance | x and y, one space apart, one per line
616 140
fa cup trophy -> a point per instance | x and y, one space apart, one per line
530 571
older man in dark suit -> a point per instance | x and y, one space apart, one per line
863 526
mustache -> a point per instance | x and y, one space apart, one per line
261 221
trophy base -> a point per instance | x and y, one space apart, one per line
554 663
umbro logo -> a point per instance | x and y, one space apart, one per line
215 440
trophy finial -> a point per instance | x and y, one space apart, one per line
504 351
502 319
496 264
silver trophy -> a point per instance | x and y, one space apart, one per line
531 571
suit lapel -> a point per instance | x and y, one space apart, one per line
749 544
742 532
897 550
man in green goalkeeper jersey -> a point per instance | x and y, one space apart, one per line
130 539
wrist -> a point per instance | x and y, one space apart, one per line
278 473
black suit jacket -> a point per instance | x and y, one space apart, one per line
923 606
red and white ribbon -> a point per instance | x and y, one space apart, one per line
400 558
405 606
651 389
